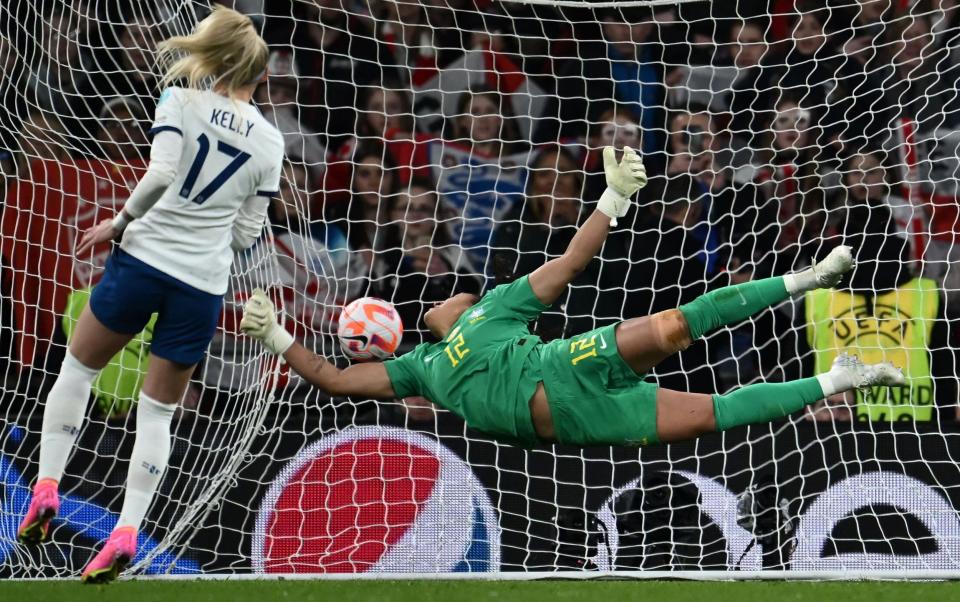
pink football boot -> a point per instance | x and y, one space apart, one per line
44 505
116 554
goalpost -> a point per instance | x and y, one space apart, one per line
445 146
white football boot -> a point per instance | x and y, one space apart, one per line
849 372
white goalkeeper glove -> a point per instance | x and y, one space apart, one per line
260 322
624 179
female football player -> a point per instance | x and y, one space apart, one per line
214 164
588 390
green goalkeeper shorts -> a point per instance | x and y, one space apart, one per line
595 397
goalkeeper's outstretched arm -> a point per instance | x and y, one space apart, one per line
624 179
360 380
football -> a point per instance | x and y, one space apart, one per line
369 328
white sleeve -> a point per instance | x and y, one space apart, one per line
249 222
165 154
169 113
270 182
165 151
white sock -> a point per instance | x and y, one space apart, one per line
151 450
835 381
63 416
800 282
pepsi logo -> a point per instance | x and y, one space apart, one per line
376 499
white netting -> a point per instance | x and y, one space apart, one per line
443 147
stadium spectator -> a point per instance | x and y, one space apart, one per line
121 135
419 264
386 115
484 122
623 68
865 37
869 180
61 83
921 79
132 72
867 184
777 216
691 150
41 138
691 142
318 270
416 39
278 103
338 58
372 184
390 111
480 169
745 101
747 44
807 72
385 110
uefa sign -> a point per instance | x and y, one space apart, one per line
376 499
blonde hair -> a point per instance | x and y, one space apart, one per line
224 49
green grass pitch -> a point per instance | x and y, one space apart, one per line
477 591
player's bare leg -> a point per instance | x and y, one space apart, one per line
163 388
93 344
647 341
682 415
91 347
167 381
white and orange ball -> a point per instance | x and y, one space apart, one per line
370 328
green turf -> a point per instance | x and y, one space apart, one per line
471 591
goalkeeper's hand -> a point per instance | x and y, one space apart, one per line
624 179
260 322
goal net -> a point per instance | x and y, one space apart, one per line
449 146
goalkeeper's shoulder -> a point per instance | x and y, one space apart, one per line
416 353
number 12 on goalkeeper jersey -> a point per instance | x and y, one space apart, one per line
456 347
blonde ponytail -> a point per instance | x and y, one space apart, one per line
224 50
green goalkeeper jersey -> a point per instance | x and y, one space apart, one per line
483 370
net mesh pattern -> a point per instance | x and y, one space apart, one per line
445 147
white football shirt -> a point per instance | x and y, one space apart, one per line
230 152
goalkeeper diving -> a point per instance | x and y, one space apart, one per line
589 389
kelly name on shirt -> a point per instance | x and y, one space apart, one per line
228 120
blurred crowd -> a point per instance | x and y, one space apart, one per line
446 146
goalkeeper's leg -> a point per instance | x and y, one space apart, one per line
683 415
645 342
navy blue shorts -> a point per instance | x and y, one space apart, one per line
131 291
